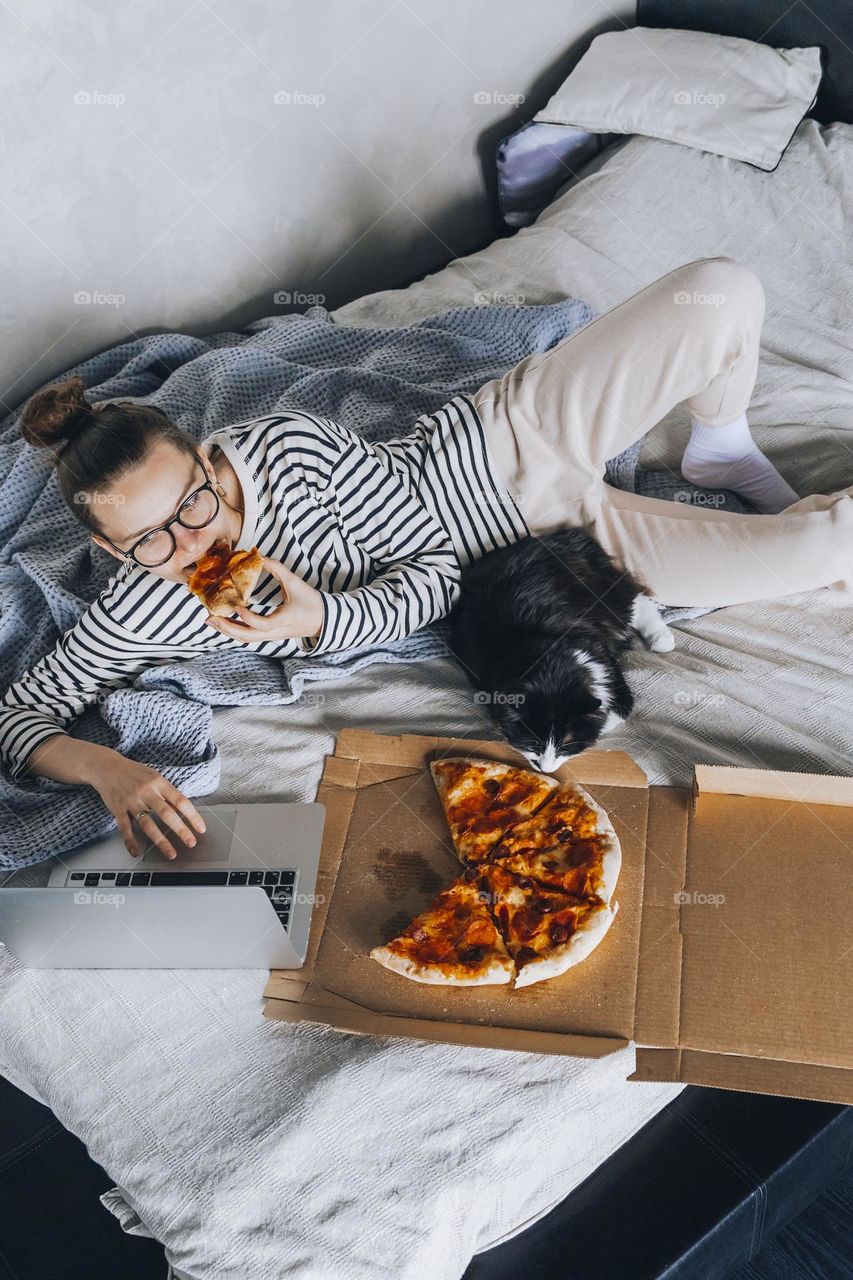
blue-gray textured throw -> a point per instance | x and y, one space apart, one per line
375 381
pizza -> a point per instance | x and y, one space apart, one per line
223 579
483 798
454 943
569 844
546 930
542 862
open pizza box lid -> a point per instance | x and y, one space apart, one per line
729 962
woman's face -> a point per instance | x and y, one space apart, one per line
148 495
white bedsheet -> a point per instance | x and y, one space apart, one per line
251 1148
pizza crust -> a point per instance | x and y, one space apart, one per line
500 970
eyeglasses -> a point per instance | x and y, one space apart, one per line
198 509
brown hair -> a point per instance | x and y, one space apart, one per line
94 446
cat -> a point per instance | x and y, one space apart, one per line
540 629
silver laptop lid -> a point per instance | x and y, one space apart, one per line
244 900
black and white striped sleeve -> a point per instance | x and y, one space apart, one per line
416 570
94 657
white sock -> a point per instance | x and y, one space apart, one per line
727 457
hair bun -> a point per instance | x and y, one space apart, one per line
56 414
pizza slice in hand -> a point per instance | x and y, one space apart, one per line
569 844
546 931
453 943
483 798
223 579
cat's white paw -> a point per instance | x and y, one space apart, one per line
646 621
662 641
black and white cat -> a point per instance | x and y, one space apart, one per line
540 630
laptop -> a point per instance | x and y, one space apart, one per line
241 898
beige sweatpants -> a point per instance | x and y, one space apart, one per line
554 420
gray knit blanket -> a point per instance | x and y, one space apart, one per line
373 380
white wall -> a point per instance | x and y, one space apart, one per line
146 163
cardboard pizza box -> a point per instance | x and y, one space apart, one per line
729 962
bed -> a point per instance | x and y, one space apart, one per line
254 1148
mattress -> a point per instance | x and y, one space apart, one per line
254 1148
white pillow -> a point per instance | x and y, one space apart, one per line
732 97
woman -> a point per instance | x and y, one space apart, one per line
364 543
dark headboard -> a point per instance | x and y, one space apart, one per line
828 23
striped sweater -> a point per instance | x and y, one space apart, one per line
381 530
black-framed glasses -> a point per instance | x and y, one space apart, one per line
158 545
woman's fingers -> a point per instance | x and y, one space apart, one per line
253 626
259 621
147 824
175 822
280 571
174 810
126 833
236 630
186 808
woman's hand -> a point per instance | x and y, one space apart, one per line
299 618
127 787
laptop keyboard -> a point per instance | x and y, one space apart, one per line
277 885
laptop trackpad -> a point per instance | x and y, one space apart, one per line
212 845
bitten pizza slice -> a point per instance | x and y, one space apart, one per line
569 844
546 931
223 579
483 798
453 943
